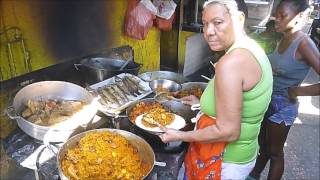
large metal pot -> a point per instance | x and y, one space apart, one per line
52 89
97 69
144 149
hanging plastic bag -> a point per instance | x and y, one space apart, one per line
139 18
165 8
165 24
165 14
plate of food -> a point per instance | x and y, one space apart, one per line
152 120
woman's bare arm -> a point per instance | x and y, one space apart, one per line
309 52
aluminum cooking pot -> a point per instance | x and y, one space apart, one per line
53 89
144 149
97 69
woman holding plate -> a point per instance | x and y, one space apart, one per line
224 144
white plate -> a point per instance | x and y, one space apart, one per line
177 123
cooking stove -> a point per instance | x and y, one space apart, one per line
21 147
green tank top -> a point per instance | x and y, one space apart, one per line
255 104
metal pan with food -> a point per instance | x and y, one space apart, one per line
118 92
109 154
171 114
187 89
54 106
191 88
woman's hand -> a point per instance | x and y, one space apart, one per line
310 90
190 100
170 135
292 94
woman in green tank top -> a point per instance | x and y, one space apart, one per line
237 96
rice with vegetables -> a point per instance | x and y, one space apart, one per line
104 155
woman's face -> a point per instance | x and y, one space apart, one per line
286 17
217 27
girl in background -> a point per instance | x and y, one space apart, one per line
291 61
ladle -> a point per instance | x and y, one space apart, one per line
164 97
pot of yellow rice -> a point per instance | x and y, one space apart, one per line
105 154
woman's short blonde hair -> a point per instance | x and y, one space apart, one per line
232 8
231 5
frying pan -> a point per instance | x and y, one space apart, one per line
174 106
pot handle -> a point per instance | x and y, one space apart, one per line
116 121
195 107
77 66
94 92
11 113
162 164
115 115
91 90
50 145
48 171
121 116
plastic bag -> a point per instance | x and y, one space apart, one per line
165 8
165 24
139 19
149 5
165 14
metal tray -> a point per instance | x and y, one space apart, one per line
115 109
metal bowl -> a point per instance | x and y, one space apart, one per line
153 75
160 85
